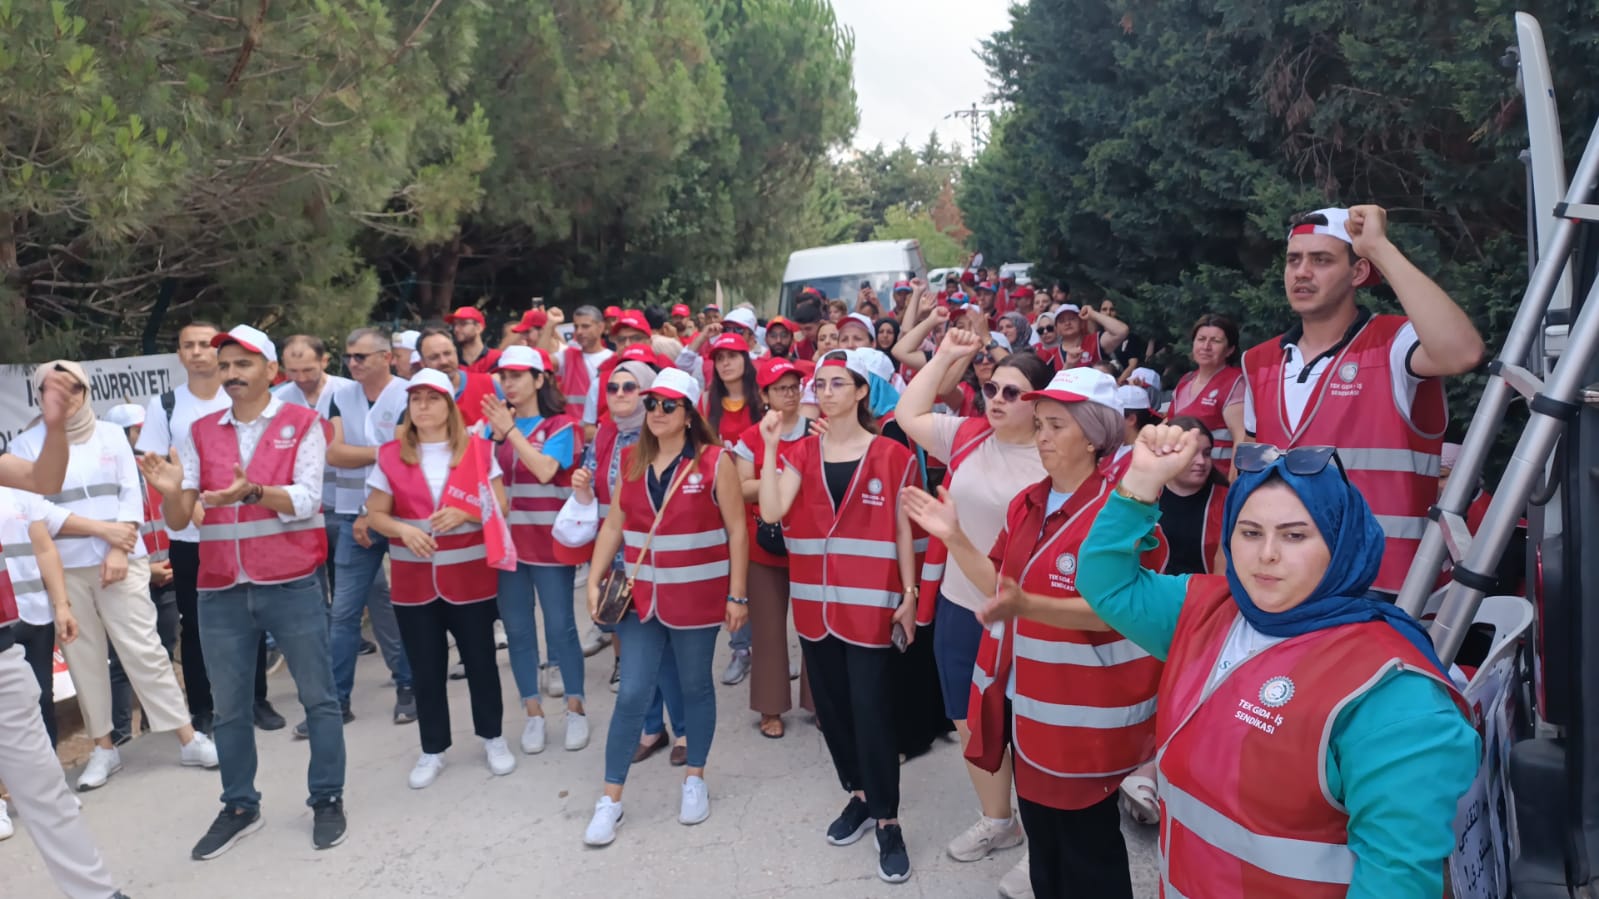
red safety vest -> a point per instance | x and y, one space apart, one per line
249 542
534 503
1393 461
458 570
9 613
844 563
969 435
732 424
684 581
1244 804
1211 539
154 528
604 447
752 439
1207 407
574 380
1083 715
1114 466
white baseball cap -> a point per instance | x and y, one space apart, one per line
125 416
859 318
997 338
741 317
251 339
1079 385
876 362
519 358
407 339
676 384
432 379
1131 396
855 360
1337 226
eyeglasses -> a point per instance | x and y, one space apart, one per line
618 387
833 385
784 389
1303 460
1010 392
1047 329
666 407
360 357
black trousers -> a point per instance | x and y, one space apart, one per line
1077 853
38 642
854 691
422 630
185 559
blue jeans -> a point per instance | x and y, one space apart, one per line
358 584
739 640
668 701
551 587
644 645
231 624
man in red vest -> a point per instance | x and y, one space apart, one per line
438 353
467 322
1367 384
579 367
257 468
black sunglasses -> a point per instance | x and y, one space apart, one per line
667 407
616 387
1010 392
1047 329
982 359
1303 460
360 357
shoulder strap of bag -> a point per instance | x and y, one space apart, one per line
692 463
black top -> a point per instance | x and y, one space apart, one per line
1182 519
657 485
838 476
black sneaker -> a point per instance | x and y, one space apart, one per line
367 648
267 717
851 824
327 824
893 861
231 826
302 731
404 705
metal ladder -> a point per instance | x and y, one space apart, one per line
1553 400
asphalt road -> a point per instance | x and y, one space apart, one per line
475 835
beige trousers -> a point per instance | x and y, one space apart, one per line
123 614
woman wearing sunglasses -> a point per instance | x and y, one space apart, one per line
678 483
852 577
426 495
536 444
1310 744
1072 701
991 458
1214 392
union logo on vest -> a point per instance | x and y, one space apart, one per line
1348 371
874 486
1066 564
1276 692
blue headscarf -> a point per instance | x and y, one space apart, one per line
1355 541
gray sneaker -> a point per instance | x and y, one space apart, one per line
738 667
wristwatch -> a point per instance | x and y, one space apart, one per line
254 495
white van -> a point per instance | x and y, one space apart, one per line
839 271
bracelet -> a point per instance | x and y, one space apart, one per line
1122 491
739 600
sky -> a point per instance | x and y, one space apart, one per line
916 62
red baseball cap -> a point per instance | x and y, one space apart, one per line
632 318
613 311
681 309
639 352
902 286
731 342
778 321
549 361
771 370
470 313
533 318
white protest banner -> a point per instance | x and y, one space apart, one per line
133 379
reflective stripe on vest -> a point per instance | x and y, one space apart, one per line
266 527
932 571
1282 856
1063 653
1402 527
152 527
667 543
1400 460
844 546
400 553
22 552
1097 717
538 491
849 596
75 494
684 574
522 516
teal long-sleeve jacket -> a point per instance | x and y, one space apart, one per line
1401 755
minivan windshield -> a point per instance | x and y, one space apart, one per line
844 287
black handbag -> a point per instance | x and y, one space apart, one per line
770 537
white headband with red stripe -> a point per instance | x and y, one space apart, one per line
1337 225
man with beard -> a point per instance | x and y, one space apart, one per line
780 338
474 355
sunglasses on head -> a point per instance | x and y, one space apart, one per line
618 387
1010 392
1303 460
667 407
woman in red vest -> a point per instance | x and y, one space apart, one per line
732 403
678 517
1309 742
780 383
852 579
1191 508
1214 392
536 445
427 495
1072 701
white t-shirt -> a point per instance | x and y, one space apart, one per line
435 461
156 437
364 424
290 393
102 484
989 478
1297 394
18 510
1243 641
591 405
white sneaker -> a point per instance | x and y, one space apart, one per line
577 730
550 675
500 640
987 835
533 735
696 805
1018 881
602 827
102 764
199 752
594 640
501 761
6 830
428 766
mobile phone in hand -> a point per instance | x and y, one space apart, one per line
898 638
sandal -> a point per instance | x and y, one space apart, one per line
772 727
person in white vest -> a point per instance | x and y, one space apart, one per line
305 364
108 584
257 468
363 414
28 764
28 525
406 361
